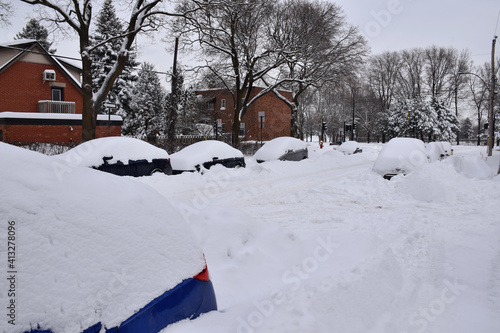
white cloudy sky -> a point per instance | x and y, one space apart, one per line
388 25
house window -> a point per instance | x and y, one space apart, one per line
222 104
1 135
242 129
223 128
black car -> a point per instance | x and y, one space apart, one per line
122 156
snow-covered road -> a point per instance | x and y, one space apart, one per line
326 245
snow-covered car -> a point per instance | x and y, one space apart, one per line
448 150
122 156
350 147
90 252
205 154
436 151
283 149
400 156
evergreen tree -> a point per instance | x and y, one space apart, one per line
34 30
147 108
447 122
467 129
412 118
105 54
188 112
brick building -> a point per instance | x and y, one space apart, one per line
276 113
41 98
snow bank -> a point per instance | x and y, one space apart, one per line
90 153
274 149
201 152
90 247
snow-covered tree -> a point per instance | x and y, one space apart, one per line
104 56
447 122
76 16
147 108
467 129
187 108
412 118
34 30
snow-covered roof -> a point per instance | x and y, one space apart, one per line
32 43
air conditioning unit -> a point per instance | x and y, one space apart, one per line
49 75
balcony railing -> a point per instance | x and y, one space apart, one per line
56 107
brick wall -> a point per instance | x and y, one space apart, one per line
22 87
277 113
60 134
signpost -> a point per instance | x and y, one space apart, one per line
109 106
262 118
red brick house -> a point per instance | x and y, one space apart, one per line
276 113
41 98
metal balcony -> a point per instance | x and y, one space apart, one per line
56 107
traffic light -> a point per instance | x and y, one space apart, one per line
353 126
323 126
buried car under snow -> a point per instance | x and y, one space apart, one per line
99 253
122 156
400 156
283 149
205 154
350 147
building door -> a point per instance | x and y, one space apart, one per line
57 96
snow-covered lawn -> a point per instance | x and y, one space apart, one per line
327 245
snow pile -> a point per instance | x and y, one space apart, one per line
327 245
274 149
401 155
121 148
201 152
90 247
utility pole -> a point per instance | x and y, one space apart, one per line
173 97
491 116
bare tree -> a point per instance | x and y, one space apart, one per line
479 90
321 47
383 73
77 15
410 79
231 34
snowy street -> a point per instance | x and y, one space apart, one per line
326 245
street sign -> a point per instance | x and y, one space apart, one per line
110 105
262 116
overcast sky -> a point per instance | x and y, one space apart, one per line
388 25
391 25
